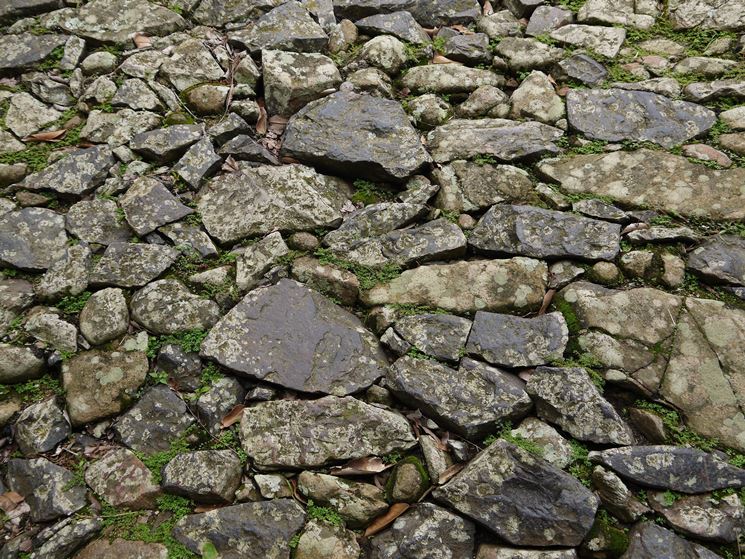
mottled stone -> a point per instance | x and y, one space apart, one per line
647 540
123 480
168 307
60 540
66 277
105 316
205 476
706 14
701 516
20 363
132 264
258 259
528 54
117 129
449 78
118 548
357 503
26 115
40 427
198 163
32 238
148 204
399 24
606 41
720 258
166 144
442 336
219 399
321 540
25 50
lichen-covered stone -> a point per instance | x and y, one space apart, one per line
206 476
132 264
168 307
123 480
60 540
97 221
706 14
40 427
105 316
198 163
442 336
605 41
449 78
68 276
166 144
647 540
721 258
24 50
20 363
32 238
148 204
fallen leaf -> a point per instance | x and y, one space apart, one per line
439 59
634 227
360 467
463 29
547 298
230 165
261 124
526 374
206 508
233 416
448 474
50 136
10 500
487 10
142 41
380 523
562 91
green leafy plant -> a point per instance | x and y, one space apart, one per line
324 514
368 276
190 342
74 304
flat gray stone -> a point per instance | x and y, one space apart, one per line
198 163
20 363
166 144
15 9
148 204
401 25
105 316
442 336
168 307
32 238
97 221
707 14
25 50
648 540
449 78
132 264
185 475
40 427
121 478
77 174
720 258
324 348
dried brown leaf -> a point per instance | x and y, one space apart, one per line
142 41
206 508
463 29
230 165
547 298
487 10
233 416
49 136
382 522
439 59
448 474
360 467
262 123
10 500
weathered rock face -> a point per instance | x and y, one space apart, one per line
40 427
261 529
648 540
442 336
261 200
123 480
148 204
132 264
542 505
449 78
185 475
105 316
470 286
32 238
720 258
22 51
96 221
654 179
481 398
706 14
324 348
506 140
540 233
77 174
116 21
167 307
699 516
616 114
326 134
297 434
105 549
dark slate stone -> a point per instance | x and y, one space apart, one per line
327 133
261 529
132 264
166 144
97 221
401 25
63 539
77 174
442 336
244 148
471 401
155 422
323 348
199 162
15 9
148 204
469 49
531 231
435 240
40 427
547 18
583 68
32 238
617 114
429 13
513 341
23 51
521 498
683 469
648 540
720 258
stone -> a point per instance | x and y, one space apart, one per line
185 475
219 399
506 140
244 148
49 489
429 111
681 469
218 13
312 433
547 18
54 332
154 422
198 163
720 258
615 115
467 286
702 92
26 115
484 101
132 264
384 52
357 503
582 68
190 239
32 238
323 349
499 24
492 551
554 448
166 144
226 129
135 94
123 480
258 259
435 240
40 427
473 407
701 516
401 25
568 398
112 376
148 204
323 134
25 50
265 199
647 540
734 118
68 276
327 278
528 54
190 64
733 142
262 529
422 530
20 363
442 336
653 179
117 129
468 49
535 232
617 13
322 540
706 14
168 307
60 540
287 27
449 78
117 548
513 341
273 486
541 504
115 21
616 497
606 41
78 174
466 186
207 99
105 316
536 99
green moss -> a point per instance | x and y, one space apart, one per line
417 354
485 159
580 467
565 308
606 528
518 440
368 276
156 462
366 192
52 60
190 342
34 390
37 155
324 514
73 304
573 5
228 440
392 457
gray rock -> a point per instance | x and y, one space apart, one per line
288 27
720 258
568 398
154 422
16 9
616 114
199 162
521 498
25 50
442 336
66 277
372 221
244 148
531 231
506 140
40 427
357 503
105 316
647 540
217 13
491 551
547 18
184 368
682 469
258 259
437 13
653 179
528 54
26 115
219 399
321 539
423 530
707 14
323 349
189 239
701 516
467 286
261 529
48 328
606 41
327 278
123 480
499 24
135 94
702 92
112 376
582 68
265 199
324 133
65 537
190 64
229 127
166 144
115 21
205 476
401 25
48 489
132 264
536 99
292 80
103 548
20 363
449 78
148 204
474 406
32 238
117 129
513 341
168 307
554 449
626 12
616 497
312 433
468 49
